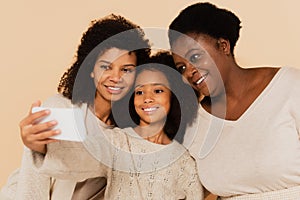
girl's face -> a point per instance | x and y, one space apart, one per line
114 73
201 62
152 97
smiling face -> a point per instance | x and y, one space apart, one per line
152 97
199 59
113 74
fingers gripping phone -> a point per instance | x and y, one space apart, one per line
70 122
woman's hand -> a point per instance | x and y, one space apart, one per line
36 135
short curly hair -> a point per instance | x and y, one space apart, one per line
206 18
112 31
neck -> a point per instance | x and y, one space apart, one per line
153 133
235 82
102 109
239 81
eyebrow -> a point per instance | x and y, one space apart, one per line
155 84
128 65
104 61
178 63
189 52
107 62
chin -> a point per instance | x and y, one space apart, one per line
113 99
202 92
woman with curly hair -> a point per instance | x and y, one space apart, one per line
102 74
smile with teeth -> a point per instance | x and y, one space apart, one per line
201 79
114 88
150 109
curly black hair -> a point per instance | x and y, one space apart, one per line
206 18
184 103
103 34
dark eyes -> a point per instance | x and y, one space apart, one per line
128 69
139 92
124 69
156 91
105 67
194 58
181 69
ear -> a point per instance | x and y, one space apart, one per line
92 75
224 46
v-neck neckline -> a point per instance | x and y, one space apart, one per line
252 106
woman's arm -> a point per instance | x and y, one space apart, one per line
26 183
68 160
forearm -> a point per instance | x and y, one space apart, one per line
67 160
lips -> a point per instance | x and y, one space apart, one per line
150 110
114 89
201 79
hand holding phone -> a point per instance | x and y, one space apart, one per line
70 122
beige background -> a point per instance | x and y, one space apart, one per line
39 38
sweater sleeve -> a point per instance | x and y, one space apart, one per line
8 191
26 183
191 183
31 185
68 160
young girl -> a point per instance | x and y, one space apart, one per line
102 74
141 162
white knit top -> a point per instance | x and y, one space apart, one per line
260 151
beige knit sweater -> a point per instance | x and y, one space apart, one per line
134 167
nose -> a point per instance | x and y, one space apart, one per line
191 70
148 98
115 76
